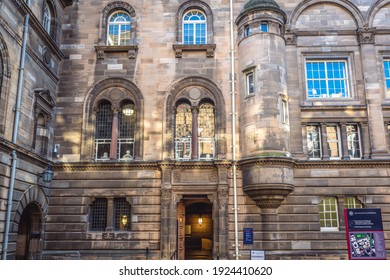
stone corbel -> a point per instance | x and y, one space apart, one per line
366 35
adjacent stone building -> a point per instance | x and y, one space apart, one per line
164 147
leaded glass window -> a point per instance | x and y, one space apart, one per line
118 29
122 214
183 131
127 122
103 131
206 120
98 214
327 79
328 214
194 28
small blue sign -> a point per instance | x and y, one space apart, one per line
248 235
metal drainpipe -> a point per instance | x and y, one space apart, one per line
15 131
234 163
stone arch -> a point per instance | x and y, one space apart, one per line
5 75
374 10
199 5
34 194
108 10
115 90
349 7
194 89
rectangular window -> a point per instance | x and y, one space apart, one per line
333 140
247 31
283 111
250 83
98 214
353 141
327 79
264 27
313 133
328 214
386 68
121 214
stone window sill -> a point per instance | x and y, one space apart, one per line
130 49
208 48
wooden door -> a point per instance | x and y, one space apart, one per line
181 222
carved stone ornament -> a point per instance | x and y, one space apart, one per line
366 36
291 38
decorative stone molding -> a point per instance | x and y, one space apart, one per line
268 181
131 50
366 35
291 38
179 48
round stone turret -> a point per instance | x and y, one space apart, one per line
264 120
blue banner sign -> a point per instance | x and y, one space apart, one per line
248 235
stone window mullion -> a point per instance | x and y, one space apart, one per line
110 214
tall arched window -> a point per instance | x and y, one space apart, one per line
103 131
47 17
194 131
194 27
127 122
118 31
115 130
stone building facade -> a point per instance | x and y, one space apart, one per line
161 151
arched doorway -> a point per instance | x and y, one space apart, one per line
29 233
195 232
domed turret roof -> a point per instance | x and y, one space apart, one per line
259 5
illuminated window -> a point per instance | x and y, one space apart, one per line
119 220
122 214
327 79
114 132
328 214
118 33
194 28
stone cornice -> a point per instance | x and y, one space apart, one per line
340 164
22 153
272 161
98 166
36 24
194 164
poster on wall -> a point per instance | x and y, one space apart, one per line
365 236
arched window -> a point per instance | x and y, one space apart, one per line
118 31
194 131
115 131
127 123
194 27
46 18
103 131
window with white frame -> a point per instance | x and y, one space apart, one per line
353 141
250 83
194 27
264 26
313 133
47 18
327 78
114 131
329 220
333 140
118 30
352 202
386 68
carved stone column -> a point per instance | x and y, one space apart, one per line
114 134
194 139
